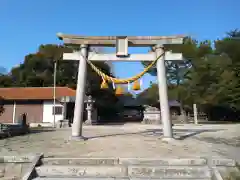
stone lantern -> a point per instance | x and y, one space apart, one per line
89 109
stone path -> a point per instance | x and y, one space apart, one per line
214 143
130 140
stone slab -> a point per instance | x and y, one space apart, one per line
16 159
164 161
216 174
80 161
80 171
10 178
223 162
169 172
126 161
83 178
31 169
26 168
13 170
2 170
132 171
99 178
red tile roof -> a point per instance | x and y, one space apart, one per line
35 93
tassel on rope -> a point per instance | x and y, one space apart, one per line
119 90
129 86
141 83
136 86
104 84
113 85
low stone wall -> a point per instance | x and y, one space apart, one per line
45 124
8 130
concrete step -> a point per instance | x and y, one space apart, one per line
130 168
138 171
112 178
126 161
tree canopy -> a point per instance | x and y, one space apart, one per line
37 71
209 75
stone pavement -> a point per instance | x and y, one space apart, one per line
130 140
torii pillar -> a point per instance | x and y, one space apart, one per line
121 43
80 94
163 94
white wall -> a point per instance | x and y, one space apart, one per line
48 114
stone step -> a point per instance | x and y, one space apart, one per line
126 161
174 172
112 178
10 178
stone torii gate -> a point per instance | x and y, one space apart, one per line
121 43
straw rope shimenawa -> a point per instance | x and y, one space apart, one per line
119 90
123 81
108 79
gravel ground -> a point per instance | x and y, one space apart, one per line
131 140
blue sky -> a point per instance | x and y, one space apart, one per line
28 23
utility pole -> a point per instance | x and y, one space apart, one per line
54 93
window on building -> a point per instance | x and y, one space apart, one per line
58 110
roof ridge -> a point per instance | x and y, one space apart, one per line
35 92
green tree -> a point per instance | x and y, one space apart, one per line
37 69
208 76
178 71
5 81
230 47
149 96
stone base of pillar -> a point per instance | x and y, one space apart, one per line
78 138
151 121
168 139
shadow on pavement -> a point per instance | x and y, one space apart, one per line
179 134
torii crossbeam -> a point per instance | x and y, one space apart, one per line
121 43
